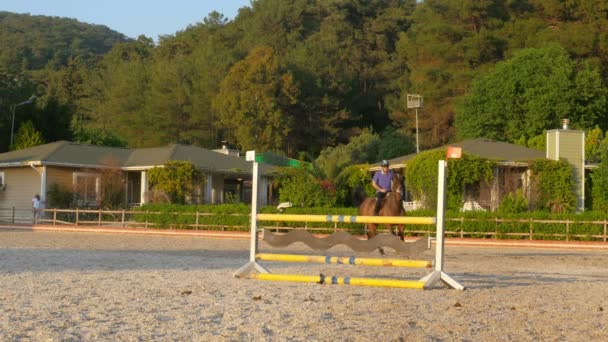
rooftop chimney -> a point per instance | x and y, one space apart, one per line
569 144
226 150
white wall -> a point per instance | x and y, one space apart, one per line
22 183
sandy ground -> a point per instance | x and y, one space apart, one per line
96 287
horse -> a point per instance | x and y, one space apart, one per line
391 206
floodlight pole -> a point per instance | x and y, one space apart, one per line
415 101
417 146
12 126
13 108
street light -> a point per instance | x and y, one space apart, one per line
415 101
28 101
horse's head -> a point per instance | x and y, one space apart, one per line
397 185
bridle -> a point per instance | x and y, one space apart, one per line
400 188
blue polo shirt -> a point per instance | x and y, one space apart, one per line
383 180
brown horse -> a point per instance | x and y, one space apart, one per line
391 206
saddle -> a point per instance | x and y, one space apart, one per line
381 204
384 198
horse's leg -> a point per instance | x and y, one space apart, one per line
399 233
371 230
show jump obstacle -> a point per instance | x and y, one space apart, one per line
256 271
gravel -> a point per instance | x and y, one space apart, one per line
104 287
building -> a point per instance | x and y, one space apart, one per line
79 167
511 172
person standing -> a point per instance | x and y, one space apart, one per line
36 205
381 181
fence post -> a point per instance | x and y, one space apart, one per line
99 218
146 224
335 226
13 215
123 218
531 231
496 228
54 216
567 230
196 224
605 224
76 216
461 229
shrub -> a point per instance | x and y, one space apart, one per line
421 176
355 185
299 186
600 183
59 196
513 203
176 179
112 192
553 183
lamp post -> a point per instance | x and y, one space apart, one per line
28 101
415 101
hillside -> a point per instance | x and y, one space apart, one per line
298 77
31 42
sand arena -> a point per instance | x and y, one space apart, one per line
85 286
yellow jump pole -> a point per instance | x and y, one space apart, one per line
344 260
322 279
347 218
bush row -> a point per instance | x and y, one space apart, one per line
469 224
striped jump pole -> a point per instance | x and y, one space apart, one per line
347 219
344 260
334 280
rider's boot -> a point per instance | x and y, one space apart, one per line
377 207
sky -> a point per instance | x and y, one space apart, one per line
130 17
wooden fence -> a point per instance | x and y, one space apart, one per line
531 232
456 227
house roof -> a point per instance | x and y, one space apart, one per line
485 148
67 154
64 153
202 158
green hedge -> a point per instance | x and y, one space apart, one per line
541 230
231 216
472 224
226 216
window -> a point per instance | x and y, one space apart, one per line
2 182
86 187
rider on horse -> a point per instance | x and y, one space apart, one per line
382 183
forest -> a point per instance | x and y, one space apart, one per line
303 78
